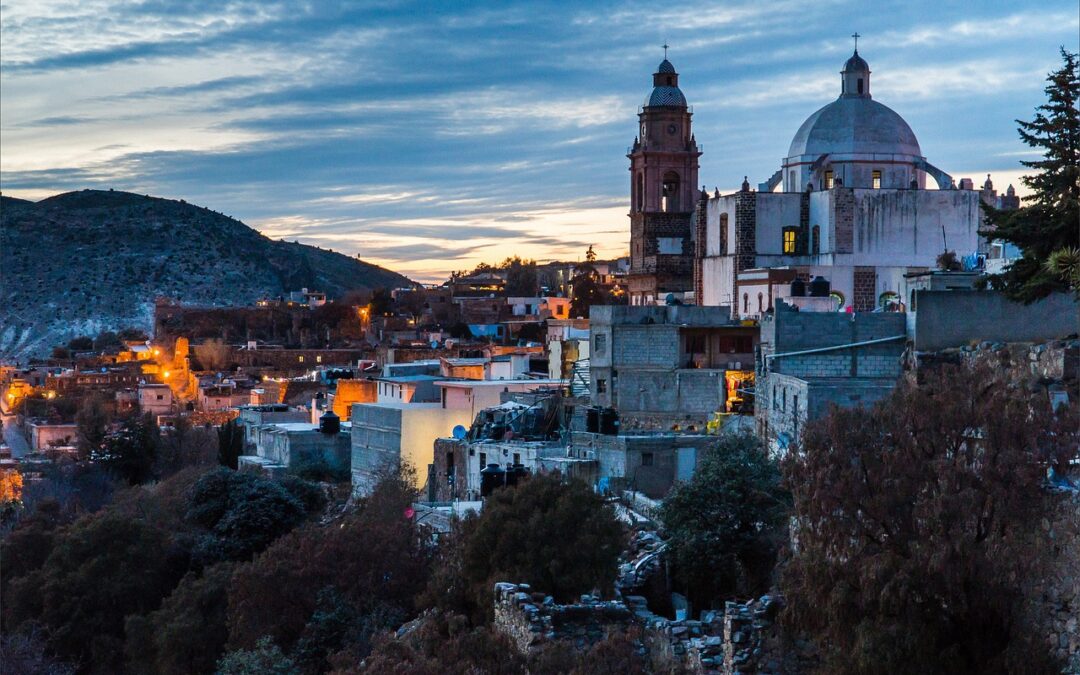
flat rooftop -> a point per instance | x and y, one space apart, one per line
472 384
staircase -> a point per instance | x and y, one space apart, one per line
580 384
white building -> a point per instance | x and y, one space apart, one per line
854 209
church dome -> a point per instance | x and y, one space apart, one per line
665 67
664 95
856 62
854 125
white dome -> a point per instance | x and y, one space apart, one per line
854 125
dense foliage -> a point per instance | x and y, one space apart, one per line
1046 229
554 535
727 524
912 525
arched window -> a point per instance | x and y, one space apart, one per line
829 182
839 297
745 303
640 191
815 240
669 200
723 234
760 303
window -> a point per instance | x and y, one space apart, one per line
760 303
723 233
601 386
876 176
789 240
600 343
839 297
300 359
859 85
160 397
517 458
815 240
828 180
318 359
669 200
646 459
483 460
745 303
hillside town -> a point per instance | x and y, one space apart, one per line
840 363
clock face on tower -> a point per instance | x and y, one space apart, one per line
673 129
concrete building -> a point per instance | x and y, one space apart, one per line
408 389
251 416
155 399
811 360
386 433
476 395
291 445
660 366
44 435
853 208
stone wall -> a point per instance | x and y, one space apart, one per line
532 620
1052 601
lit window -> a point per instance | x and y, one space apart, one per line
300 358
828 180
789 241
318 359
877 180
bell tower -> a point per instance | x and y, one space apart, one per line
663 193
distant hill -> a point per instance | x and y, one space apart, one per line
82 262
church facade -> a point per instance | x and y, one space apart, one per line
849 209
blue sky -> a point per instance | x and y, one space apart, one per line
429 136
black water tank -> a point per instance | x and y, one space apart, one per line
798 288
609 422
819 287
329 423
491 477
592 420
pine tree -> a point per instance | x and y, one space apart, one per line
1050 223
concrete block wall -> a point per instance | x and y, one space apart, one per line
376 443
945 319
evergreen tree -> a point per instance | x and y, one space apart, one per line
1047 229
230 444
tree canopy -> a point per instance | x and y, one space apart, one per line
913 525
1046 229
727 524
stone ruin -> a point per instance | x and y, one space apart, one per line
743 638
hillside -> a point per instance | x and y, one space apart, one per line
82 262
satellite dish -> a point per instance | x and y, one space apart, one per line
459 432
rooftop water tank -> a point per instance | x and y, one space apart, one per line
491 477
819 287
329 423
798 288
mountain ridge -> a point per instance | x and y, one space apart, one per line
81 262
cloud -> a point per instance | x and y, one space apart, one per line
429 136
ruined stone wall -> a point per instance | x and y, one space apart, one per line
532 620
1052 600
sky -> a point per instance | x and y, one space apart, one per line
427 137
